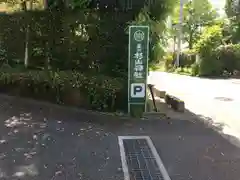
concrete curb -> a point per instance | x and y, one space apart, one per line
174 102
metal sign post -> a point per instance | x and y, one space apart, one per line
138 50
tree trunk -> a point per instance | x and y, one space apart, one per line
26 54
48 54
190 43
174 45
45 4
31 5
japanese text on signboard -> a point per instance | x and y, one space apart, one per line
138 62
138 55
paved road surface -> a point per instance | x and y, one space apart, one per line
44 142
205 97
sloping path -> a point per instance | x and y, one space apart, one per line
41 141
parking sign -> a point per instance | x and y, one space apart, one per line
137 90
137 65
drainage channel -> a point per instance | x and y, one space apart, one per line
140 160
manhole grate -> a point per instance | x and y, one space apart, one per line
236 82
142 161
223 99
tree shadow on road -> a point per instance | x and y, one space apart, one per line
222 128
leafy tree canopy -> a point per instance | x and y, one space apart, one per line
232 8
196 14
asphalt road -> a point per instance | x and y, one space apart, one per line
41 141
217 99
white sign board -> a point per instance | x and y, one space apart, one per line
138 90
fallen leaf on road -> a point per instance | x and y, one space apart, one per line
2 141
58 172
209 158
35 137
15 131
119 169
19 174
180 138
45 136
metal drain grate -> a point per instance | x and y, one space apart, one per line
223 99
141 161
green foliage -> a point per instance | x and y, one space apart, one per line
195 69
80 4
195 14
155 14
229 56
168 61
97 92
63 42
232 8
184 71
187 58
73 4
233 32
78 40
223 60
210 40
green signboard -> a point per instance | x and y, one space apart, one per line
137 67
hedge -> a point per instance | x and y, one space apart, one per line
96 92
229 57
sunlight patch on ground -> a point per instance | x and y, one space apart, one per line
231 135
27 170
17 121
2 174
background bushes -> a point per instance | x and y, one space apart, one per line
88 41
65 52
222 61
66 87
229 56
210 57
210 40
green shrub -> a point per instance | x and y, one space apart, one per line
229 56
184 70
168 62
210 40
187 58
178 70
96 91
195 69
